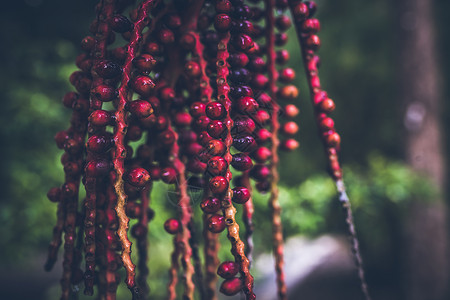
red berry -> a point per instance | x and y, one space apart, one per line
218 185
231 286
138 230
222 22
197 109
228 269
289 145
327 105
241 162
223 6
289 92
54 194
290 128
216 223
333 139
263 135
100 143
282 56
144 62
216 111
120 24
326 124
143 85
201 123
107 69
97 168
100 118
217 165
169 175
138 177
241 195
247 105
313 42
172 226
140 108
260 172
291 110
245 144
216 128
210 205
301 11
283 22
311 26
261 155
192 69
182 119
104 93
287 75
166 36
243 125
215 148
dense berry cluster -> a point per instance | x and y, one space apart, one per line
203 88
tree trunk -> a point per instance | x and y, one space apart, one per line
426 274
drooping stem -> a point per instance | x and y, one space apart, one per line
309 43
211 248
277 230
229 211
120 151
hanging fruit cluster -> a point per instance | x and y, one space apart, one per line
202 86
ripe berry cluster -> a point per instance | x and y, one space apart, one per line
203 89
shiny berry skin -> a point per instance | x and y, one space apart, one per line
210 205
289 145
143 85
153 48
263 135
313 42
187 41
288 92
100 143
97 168
197 109
204 138
239 59
246 105
261 117
243 42
218 185
88 43
260 172
283 22
241 194
166 138
287 75
301 11
281 39
245 144
217 165
241 162
223 6
137 177
172 226
282 57
54 194
216 223
60 138
231 286
120 24
192 69
222 22
182 119
215 148
162 123
215 111
100 118
327 105
312 7
243 125
201 123
228 269
333 139
104 93
311 26
107 69
290 128
216 128
169 175
326 124
140 108
166 36
291 110
262 154
240 76
260 81
144 63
